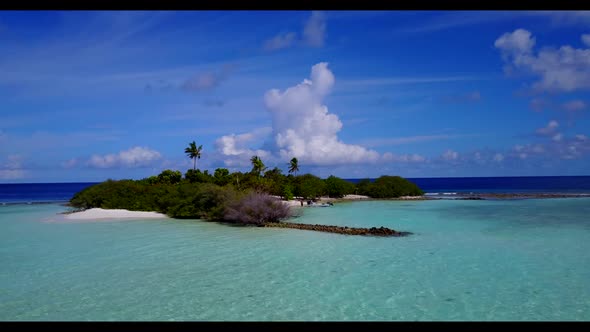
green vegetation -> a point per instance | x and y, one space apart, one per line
257 165
294 166
388 187
234 197
193 152
338 188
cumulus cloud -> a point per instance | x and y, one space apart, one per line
134 157
234 150
303 127
549 130
314 31
586 39
11 168
280 41
515 43
565 69
450 155
574 106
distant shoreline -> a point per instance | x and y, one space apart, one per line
428 196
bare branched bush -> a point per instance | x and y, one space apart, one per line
257 209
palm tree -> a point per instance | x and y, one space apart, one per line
294 165
257 165
193 152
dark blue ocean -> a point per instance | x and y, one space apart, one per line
61 192
39 192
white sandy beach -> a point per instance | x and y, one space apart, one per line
97 214
353 197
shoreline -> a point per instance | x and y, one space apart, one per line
351 198
98 214
111 214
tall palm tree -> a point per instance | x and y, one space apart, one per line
193 152
294 165
257 165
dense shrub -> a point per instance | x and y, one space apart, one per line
389 187
196 176
287 192
206 201
309 186
256 208
337 187
169 177
221 177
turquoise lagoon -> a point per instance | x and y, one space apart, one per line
468 260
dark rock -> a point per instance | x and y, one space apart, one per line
373 231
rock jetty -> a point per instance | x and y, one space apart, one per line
373 231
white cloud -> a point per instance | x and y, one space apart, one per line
557 145
313 35
12 169
134 157
406 158
314 31
549 130
498 157
565 69
586 39
303 128
11 174
280 41
450 155
515 43
234 151
574 105
70 163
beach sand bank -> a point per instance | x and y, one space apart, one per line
101 214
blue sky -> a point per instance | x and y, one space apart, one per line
91 95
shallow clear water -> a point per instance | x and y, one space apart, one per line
468 260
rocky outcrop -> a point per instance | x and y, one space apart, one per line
373 231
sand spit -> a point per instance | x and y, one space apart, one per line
101 214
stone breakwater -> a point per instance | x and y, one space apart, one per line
373 231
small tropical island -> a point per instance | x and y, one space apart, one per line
261 197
